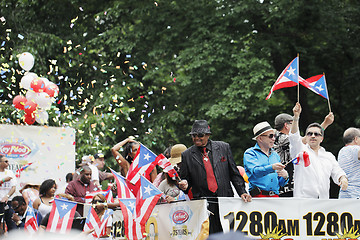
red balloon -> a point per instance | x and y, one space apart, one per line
37 85
30 107
29 119
19 102
51 89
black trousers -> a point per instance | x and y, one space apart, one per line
214 218
7 212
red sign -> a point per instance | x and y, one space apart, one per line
180 217
14 150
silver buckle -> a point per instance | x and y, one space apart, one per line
272 193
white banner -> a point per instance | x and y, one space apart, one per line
291 218
180 220
50 149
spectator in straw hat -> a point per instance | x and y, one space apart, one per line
262 164
169 186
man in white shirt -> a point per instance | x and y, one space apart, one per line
7 189
313 181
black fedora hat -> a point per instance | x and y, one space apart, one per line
200 126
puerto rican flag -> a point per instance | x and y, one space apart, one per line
132 228
146 200
144 162
18 172
123 190
165 164
302 157
107 193
31 224
61 216
317 84
289 77
99 225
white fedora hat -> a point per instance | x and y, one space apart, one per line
261 128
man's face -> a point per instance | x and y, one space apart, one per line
267 139
4 163
200 139
86 176
314 137
19 208
100 163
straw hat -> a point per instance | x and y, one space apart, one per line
28 185
86 160
175 154
261 128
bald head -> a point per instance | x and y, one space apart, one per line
350 134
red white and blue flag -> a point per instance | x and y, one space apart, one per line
61 216
18 172
107 193
132 228
165 164
144 162
146 200
302 158
123 190
31 224
317 84
99 225
289 77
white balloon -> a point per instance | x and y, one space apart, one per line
41 116
43 100
31 95
46 81
26 61
27 79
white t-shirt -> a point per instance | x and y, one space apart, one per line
5 187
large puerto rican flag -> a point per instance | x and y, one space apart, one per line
61 216
289 77
132 228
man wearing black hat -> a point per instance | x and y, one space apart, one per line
208 168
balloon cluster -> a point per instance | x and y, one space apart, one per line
39 96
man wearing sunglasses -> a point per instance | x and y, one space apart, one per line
208 168
313 181
7 189
262 164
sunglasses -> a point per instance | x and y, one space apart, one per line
316 134
269 136
199 135
97 201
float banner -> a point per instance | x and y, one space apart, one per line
51 150
292 218
179 220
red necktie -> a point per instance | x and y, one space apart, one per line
210 177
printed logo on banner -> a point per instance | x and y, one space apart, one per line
179 216
18 148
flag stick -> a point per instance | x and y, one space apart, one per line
327 93
298 86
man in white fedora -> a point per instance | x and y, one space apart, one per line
262 164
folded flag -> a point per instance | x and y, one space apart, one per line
18 172
289 77
317 84
61 216
31 224
123 190
302 157
165 164
94 222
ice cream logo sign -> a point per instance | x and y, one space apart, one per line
14 150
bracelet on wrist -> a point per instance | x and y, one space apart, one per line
296 119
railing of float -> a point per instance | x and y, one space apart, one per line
265 218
